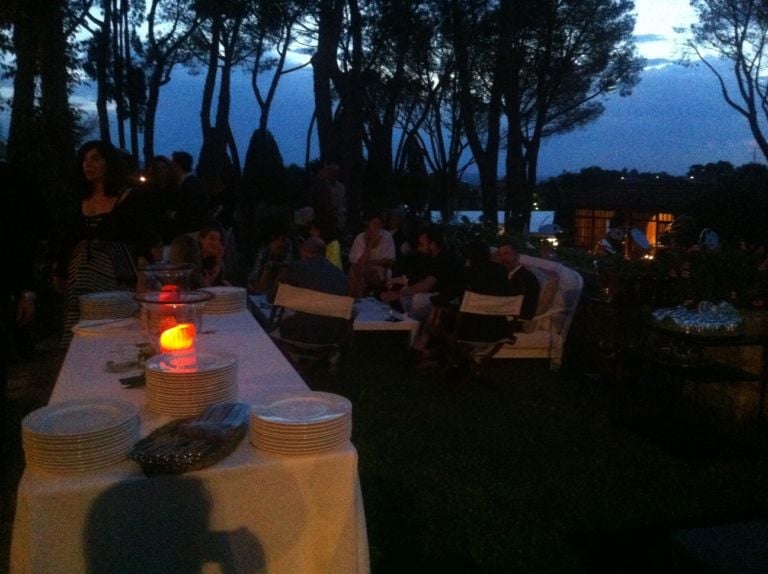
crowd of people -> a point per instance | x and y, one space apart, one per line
124 219
414 271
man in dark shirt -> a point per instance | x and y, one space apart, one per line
523 281
441 280
486 277
313 271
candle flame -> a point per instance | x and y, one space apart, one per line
180 337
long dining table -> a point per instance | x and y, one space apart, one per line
252 512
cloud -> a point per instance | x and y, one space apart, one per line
658 63
643 38
675 117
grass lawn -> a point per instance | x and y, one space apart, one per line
531 471
535 471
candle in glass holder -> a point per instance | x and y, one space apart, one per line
180 337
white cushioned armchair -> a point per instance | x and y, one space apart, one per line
544 336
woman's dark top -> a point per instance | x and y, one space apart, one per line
131 221
102 253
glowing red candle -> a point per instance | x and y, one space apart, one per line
180 337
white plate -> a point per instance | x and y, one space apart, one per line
297 440
197 363
225 290
299 449
300 430
181 392
107 296
305 408
159 398
186 379
303 444
79 417
105 327
77 441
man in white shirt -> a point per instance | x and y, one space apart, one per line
371 256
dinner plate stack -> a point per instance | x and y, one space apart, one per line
301 423
79 435
107 305
226 300
182 385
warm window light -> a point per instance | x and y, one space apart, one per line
180 337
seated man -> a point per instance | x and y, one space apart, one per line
486 277
371 256
522 281
313 271
440 282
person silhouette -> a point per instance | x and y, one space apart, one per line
161 530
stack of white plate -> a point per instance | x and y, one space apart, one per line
107 305
183 385
80 435
226 300
302 423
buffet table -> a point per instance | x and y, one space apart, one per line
251 512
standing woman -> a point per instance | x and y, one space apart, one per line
112 229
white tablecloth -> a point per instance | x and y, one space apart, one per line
251 512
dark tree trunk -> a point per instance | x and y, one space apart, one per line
349 154
118 73
225 100
486 157
102 63
150 113
54 89
265 103
134 82
210 78
324 70
21 140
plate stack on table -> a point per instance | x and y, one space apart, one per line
302 423
183 385
226 300
107 305
79 435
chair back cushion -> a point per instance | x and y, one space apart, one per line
314 302
479 304
484 318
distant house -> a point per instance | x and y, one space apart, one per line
650 206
